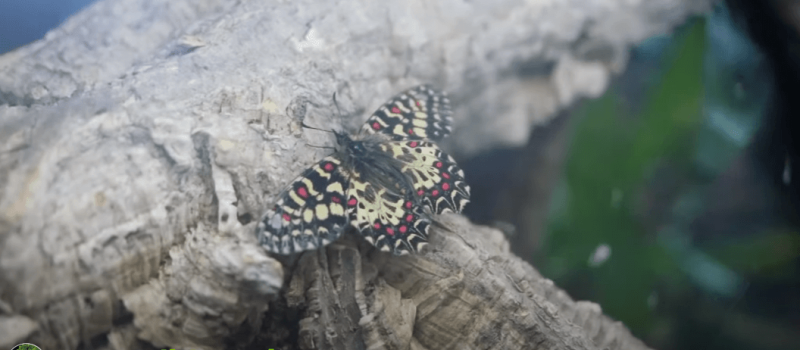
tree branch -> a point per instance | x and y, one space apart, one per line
140 140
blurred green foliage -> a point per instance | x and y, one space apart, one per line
768 254
637 177
614 151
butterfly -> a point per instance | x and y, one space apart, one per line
386 181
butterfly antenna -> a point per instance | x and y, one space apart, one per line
325 147
303 124
336 103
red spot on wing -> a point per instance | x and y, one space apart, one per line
408 204
352 202
419 104
446 175
413 144
302 192
286 217
328 167
403 229
376 225
446 186
336 199
395 110
409 217
410 132
390 231
435 193
438 164
376 126
420 192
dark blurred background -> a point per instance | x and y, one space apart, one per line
671 201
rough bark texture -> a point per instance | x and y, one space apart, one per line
141 139
465 292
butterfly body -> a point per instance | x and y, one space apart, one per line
386 182
365 157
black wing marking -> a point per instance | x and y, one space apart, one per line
310 213
417 113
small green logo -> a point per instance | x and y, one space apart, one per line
26 346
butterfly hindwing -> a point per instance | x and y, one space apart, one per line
310 213
436 177
417 113
392 222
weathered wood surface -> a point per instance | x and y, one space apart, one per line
141 139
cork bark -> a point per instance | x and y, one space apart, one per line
141 140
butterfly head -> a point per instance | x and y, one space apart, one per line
355 148
342 139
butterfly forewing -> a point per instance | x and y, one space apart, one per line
417 113
310 213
